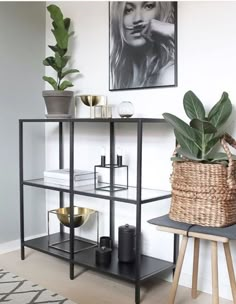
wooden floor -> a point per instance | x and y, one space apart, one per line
90 287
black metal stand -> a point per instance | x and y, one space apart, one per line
144 267
61 245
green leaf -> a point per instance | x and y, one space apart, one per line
55 48
65 84
50 61
220 161
56 15
193 106
62 37
61 62
186 154
199 139
220 111
65 60
67 23
204 126
58 60
69 72
54 25
212 143
186 144
221 156
180 126
51 81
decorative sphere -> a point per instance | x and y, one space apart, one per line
126 109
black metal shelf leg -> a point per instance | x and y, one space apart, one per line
112 157
22 233
71 195
138 212
61 166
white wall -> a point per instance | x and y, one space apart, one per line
206 65
22 38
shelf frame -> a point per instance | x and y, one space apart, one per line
71 190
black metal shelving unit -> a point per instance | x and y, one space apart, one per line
144 267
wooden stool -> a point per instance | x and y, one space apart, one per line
213 235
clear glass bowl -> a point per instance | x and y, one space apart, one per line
126 109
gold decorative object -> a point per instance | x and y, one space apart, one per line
93 100
81 215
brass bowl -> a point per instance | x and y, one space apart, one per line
81 215
91 100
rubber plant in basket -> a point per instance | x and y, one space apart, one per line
58 101
203 178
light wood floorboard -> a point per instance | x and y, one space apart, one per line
91 287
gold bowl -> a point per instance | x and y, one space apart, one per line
81 215
91 100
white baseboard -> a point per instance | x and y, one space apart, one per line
15 245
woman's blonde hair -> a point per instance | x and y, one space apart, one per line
121 62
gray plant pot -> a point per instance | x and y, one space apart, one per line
58 103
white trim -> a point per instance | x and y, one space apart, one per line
15 245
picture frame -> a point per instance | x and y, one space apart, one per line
142 45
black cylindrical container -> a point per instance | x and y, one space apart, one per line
106 241
103 256
126 243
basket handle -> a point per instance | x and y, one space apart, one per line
225 140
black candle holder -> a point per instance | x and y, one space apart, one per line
115 186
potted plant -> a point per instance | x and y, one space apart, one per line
203 179
58 101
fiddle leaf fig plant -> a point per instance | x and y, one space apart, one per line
60 60
198 138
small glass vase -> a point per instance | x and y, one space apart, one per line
126 109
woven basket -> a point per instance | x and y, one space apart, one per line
205 194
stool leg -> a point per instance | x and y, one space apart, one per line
230 270
214 261
178 270
195 267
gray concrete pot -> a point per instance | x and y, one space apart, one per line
58 103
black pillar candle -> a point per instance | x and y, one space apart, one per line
119 160
103 160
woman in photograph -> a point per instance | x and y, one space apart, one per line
142 42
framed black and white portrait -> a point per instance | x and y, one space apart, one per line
143 44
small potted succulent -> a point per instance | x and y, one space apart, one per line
58 101
203 179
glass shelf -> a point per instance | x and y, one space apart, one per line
126 196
